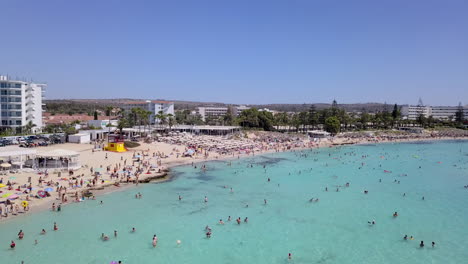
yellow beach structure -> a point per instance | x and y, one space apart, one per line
115 147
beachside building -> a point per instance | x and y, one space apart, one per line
207 112
154 107
412 112
447 112
437 112
219 111
21 103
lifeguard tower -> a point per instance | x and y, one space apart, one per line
116 145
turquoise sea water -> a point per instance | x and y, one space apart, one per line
333 230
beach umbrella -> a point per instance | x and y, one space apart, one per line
13 196
5 165
98 169
6 195
48 189
12 178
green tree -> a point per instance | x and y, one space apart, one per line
95 115
123 122
170 121
332 125
161 118
29 126
228 118
365 119
109 110
313 117
459 117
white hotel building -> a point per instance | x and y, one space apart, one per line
153 106
20 103
219 111
412 112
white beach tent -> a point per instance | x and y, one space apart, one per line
17 155
59 159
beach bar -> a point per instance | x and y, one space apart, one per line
58 159
16 157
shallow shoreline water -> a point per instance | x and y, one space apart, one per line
333 230
110 188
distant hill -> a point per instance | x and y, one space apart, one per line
89 105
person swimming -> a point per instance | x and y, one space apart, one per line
433 244
12 244
421 244
133 230
405 237
43 232
221 222
395 214
155 240
238 221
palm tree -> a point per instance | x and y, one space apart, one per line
170 121
120 126
109 110
161 117
29 126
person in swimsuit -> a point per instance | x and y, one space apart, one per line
43 232
155 240
421 244
12 244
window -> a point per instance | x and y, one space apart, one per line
18 85
18 122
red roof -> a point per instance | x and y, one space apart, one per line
133 102
162 102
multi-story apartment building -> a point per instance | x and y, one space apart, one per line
437 112
219 111
21 103
412 112
153 106
447 112
211 112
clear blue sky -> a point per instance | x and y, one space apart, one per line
241 51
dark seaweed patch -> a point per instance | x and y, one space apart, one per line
269 160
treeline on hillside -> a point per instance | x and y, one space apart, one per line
89 105
72 107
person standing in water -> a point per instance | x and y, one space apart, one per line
155 240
